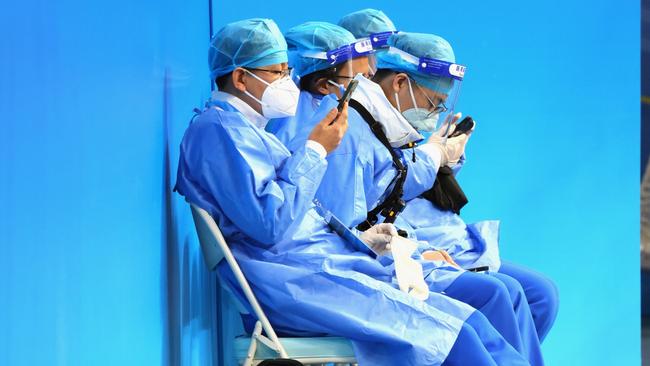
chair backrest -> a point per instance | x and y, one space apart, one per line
215 249
210 237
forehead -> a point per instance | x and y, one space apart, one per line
278 67
433 95
357 65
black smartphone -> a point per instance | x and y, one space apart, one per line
463 126
479 269
347 94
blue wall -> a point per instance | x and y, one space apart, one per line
100 257
554 87
90 92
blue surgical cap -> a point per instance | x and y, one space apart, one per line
246 43
365 22
418 45
314 37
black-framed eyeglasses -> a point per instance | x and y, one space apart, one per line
367 76
281 73
437 108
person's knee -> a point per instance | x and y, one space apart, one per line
550 297
514 288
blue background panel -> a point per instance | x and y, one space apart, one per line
100 264
88 91
554 88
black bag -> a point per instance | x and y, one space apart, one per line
446 193
281 362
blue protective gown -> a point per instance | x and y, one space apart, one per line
307 279
476 245
285 128
360 174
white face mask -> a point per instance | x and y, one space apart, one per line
398 131
280 98
339 86
420 118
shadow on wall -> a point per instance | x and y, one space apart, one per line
198 310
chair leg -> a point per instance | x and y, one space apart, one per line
253 346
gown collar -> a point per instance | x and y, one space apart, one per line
242 107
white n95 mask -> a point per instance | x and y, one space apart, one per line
420 118
280 99
397 129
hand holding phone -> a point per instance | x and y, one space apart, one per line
463 127
348 94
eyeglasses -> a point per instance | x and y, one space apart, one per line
281 73
439 108
367 76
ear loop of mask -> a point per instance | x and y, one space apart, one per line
260 79
341 87
415 105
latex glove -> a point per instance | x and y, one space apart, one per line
408 271
378 237
452 150
439 255
441 132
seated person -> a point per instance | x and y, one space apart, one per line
317 74
307 279
470 245
363 175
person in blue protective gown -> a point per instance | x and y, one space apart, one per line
362 174
471 245
308 280
365 23
323 57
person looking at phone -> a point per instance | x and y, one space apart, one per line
377 167
323 58
260 195
471 245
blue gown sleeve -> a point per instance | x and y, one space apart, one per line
234 164
421 172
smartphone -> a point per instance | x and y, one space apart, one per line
464 126
347 94
479 269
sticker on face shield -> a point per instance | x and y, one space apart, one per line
350 51
441 68
362 47
380 40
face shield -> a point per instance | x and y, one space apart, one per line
439 82
440 85
379 43
339 56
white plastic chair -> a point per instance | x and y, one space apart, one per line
253 349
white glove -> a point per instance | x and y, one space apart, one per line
408 271
441 132
454 148
451 151
379 237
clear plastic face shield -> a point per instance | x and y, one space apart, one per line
341 60
378 41
441 91
432 93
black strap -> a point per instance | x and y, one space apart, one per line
393 204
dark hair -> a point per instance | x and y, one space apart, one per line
382 74
308 81
223 80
